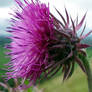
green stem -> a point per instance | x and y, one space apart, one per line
89 77
88 71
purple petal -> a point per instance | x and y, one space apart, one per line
19 3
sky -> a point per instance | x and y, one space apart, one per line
74 7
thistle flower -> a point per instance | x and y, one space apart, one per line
32 32
42 45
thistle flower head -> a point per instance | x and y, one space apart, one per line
32 32
42 45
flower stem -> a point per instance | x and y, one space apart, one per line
89 78
88 72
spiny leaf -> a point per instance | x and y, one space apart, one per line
81 46
51 70
80 63
81 22
72 69
83 30
49 66
66 72
63 33
55 71
61 16
58 21
58 46
58 63
74 31
77 21
84 60
83 37
67 24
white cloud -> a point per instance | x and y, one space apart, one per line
86 4
4 16
74 7
4 13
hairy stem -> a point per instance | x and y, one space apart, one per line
89 78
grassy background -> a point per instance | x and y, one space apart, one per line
77 83
3 59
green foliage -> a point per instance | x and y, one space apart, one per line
3 59
4 40
89 53
84 60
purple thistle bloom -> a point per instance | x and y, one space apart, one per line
32 32
42 45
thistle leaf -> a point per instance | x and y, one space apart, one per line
55 71
66 72
81 46
77 21
71 70
58 21
74 31
80 63
67 24
61 16
84 60
83 30
83 37
63 33
81 22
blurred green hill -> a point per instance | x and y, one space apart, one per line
4 40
